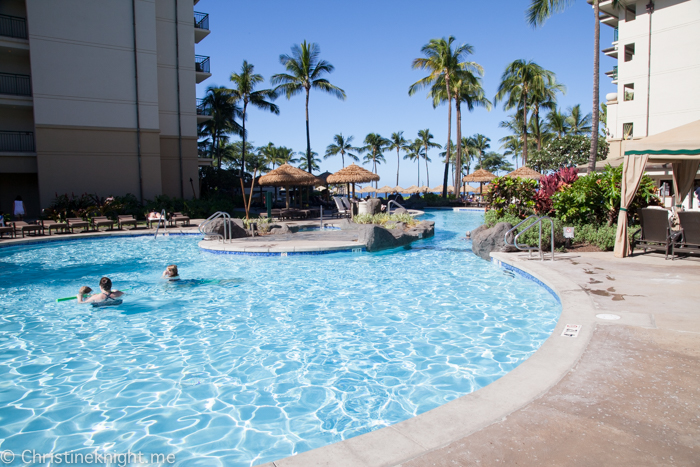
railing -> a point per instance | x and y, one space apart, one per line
13 26
227 227
388 206
17 141
616 34
201 107
163 220
530 249
201 20
201 63
17 85
614 73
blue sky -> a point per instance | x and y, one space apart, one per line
372 44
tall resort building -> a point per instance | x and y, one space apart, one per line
98 96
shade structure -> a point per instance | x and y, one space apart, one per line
450 188
437 189
473 189
398 189
480 175
524 172
322 179
411 189
352 174
367 189
386 189
424 189
285 175
679 146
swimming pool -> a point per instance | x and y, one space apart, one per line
282 355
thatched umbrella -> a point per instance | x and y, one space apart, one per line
398 189
353 174
437 189
386 189
480 176
524 172
285 175
411 189
367 189
424 189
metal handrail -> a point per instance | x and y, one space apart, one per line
201 20
201 63
13 26
163 220
388 206
17 141
16 85
227 226
530 249
201 107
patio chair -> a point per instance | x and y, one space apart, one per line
655 232
99 221
77 222
689 238
342 209
49 224
155 220
123 220
179 217
21 226
7 229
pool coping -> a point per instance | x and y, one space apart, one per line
463 416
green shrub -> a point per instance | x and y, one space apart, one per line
383 218
514 196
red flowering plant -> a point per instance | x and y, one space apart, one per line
550 184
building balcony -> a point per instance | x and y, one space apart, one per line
612 74
611 51
16 141
202 111
201 68
13 26
201 26
16 85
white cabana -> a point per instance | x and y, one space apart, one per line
680 147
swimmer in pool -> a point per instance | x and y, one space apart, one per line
171 273
106 295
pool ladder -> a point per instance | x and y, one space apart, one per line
388 206
162 220
530 249
227 227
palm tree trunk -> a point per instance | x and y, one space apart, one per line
418 158
524 129
596 90
342 157
308 138
537 125
458 168
427 174
398 162
218 149
245 104
449 135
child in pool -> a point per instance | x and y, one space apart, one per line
171 273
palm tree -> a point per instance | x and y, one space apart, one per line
468 153
341 146
544 98
304 162
415 153
398 142
425 138
578 124
556 123
244 90
304 71
374 146
537 14
443 62
519 82
480 144
220 103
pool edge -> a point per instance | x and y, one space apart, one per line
468 414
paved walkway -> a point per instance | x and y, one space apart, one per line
300 242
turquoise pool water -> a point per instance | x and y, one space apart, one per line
281 355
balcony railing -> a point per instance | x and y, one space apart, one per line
201 63
13 26
201 20
614 73
17 85
201 107
616 33
16 141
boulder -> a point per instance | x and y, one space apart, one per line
375 205
484 240
237 229
481 228
378 238
347 224
400 211
280 229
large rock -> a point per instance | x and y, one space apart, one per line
236 228
280 229
484 241
347 224
377 238
375 205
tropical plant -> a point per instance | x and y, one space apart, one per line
538 12
304 162
544 98
398 142
519 83
341 146
220 103
556 123
244 91
425 138
493 162
568 151
479 144
231 153
443 62
578 124
550 184
415 153
515 196
304 71
374 146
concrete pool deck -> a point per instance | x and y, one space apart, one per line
624 392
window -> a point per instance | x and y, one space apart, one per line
631 13
629 52
627 130
629 91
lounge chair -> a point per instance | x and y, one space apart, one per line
688 241
77 222
179 217
47 224
123 220
21 226
655 232
155 220
99 221
7 229
343 210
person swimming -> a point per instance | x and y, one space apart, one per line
171 273
106 297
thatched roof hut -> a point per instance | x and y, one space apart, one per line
480 175
285 175
353 174
525 172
